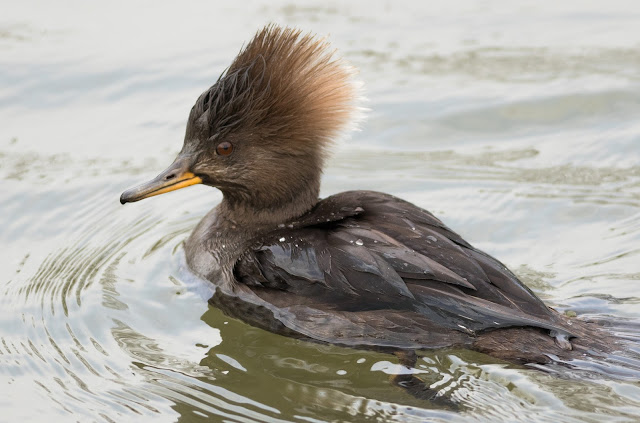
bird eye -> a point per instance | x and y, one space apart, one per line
224 148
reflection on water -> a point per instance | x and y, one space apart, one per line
514 123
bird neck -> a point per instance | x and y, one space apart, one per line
270 206
244 215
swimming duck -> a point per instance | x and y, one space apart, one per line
361 269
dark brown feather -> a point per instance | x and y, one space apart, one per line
388 260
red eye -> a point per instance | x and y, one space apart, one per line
224 148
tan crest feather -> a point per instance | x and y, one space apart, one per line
288 87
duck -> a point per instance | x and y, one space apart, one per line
360 269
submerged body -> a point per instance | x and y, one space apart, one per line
361 269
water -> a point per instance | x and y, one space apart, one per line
517 124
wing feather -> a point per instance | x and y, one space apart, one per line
382 253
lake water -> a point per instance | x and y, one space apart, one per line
517 123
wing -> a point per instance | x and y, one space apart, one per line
382 258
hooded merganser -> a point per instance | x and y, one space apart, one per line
359 268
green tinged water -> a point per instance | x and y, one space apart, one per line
517 124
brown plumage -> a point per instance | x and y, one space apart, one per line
287 87
361 269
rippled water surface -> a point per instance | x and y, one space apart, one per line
518 125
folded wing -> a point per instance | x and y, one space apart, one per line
383 260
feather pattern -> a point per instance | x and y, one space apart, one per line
380 265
